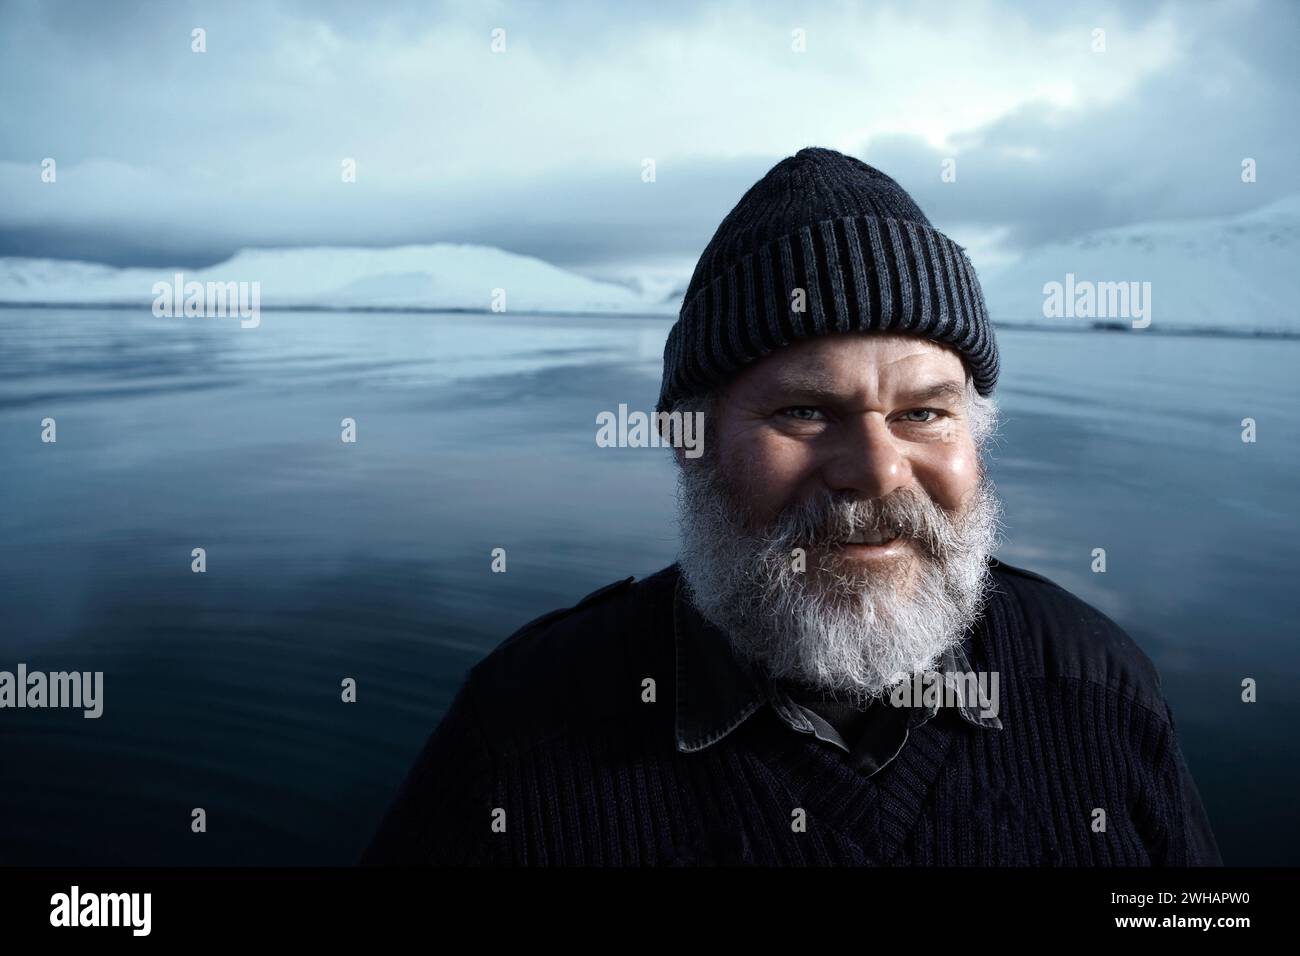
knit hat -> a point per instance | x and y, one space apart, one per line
855 242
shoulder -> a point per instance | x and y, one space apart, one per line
1059 636
580 663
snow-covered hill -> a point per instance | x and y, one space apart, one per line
439 276
1239 273
1233 274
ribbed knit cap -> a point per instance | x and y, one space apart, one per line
855 242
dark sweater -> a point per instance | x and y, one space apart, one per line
552 728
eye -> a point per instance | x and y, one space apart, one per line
803 413
928 415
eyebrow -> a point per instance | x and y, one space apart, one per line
939 391
820 387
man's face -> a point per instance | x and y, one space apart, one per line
839 524
860 415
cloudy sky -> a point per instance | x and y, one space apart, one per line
170 157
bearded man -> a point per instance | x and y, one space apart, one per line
837 670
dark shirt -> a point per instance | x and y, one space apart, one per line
593 736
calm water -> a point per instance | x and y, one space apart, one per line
371 561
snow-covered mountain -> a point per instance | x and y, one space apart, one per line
1236 274
1239 273
439 276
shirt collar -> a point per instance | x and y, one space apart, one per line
716 693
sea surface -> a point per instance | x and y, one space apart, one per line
372 560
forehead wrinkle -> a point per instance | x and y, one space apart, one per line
847 370
804 380
929 387
821 375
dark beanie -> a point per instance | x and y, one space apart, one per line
855 242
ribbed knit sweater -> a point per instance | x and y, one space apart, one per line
553 752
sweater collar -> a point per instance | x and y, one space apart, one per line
716 693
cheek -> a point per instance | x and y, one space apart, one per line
949 472
769 471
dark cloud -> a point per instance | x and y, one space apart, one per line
167 158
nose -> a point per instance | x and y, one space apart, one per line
864 458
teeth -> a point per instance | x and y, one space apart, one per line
872 536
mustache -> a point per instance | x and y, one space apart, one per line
829 518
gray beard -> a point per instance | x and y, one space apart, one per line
835 627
